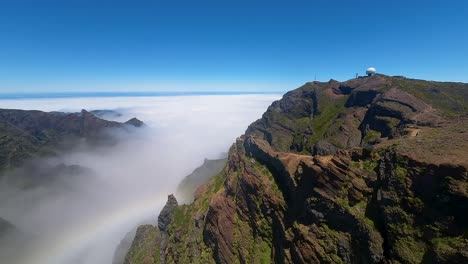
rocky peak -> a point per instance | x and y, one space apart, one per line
360 112
85 112
167 213
135 122
338 172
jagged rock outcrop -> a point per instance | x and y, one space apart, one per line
372 170
302 205
164 220
167 213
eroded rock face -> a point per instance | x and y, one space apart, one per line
167 213
330 175
420 210
219 228
354 113
313 192
164 220
395 108
324 148
349 207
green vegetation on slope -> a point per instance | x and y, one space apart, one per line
321 123
451 98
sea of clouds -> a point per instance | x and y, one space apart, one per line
83 222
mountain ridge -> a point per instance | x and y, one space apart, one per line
25 134
371 170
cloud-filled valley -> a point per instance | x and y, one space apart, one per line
81 219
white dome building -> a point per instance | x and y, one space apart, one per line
370 71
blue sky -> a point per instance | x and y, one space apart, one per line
90 45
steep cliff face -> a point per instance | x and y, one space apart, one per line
321 118
372 170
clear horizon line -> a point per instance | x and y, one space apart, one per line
38 95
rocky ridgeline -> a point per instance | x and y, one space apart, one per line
27 134
372 170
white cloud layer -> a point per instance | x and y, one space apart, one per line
83 224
